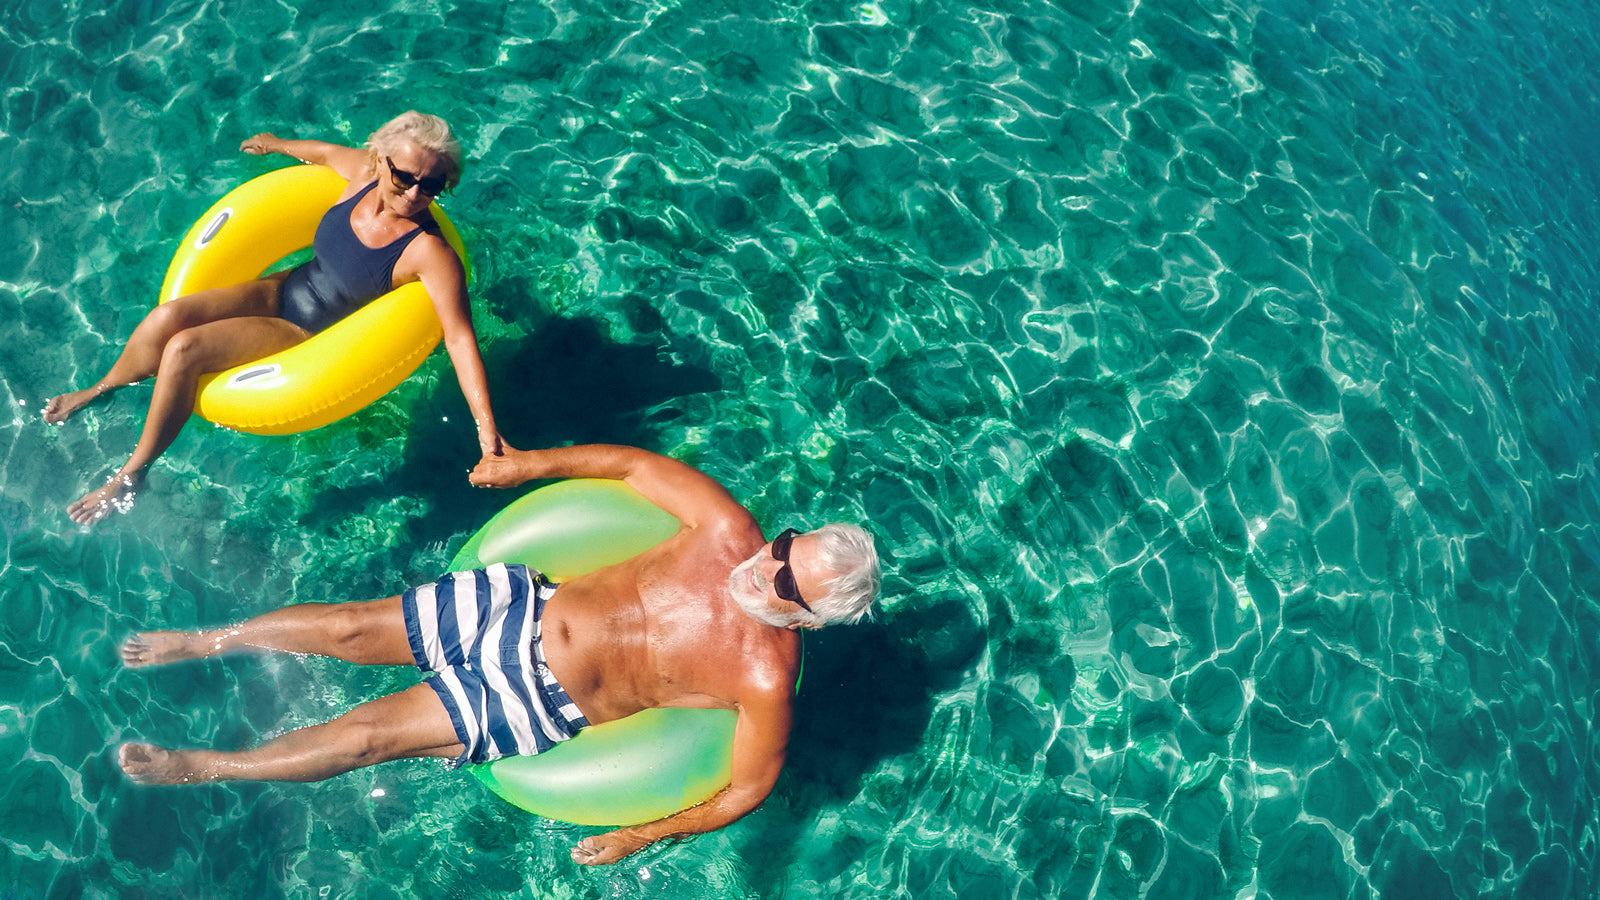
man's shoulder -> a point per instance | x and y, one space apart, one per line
733 533
768 676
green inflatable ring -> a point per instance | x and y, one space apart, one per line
638 769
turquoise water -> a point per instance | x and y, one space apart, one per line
1219 378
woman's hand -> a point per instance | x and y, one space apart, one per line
490 443
261 144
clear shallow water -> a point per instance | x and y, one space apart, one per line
1220 378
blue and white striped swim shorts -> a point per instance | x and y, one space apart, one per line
478 632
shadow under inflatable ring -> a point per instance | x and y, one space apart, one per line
637 769
337 371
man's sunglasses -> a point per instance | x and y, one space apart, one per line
784 582
432 186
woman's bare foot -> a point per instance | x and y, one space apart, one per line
149 764
157 648
116 496
59 407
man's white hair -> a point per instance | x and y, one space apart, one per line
848 551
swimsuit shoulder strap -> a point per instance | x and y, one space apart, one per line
355 198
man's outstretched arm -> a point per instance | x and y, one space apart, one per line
682 490
759 742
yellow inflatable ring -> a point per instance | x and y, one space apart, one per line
339 370
632 770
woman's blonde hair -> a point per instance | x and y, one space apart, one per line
431 133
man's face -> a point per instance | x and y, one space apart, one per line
753 583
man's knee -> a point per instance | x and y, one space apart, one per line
387 729
367 632
349 627
365 738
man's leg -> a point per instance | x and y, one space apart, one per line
410 723
370 633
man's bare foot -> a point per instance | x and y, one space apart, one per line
59 407
116 496
157 648
149 764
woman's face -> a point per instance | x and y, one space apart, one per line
412 177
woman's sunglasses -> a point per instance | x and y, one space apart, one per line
432 186
783 582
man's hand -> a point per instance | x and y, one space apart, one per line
506 470
604 849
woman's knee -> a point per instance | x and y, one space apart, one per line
250 298
183 351
165 320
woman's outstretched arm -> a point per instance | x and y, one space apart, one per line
351 163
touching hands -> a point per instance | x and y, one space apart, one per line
501 470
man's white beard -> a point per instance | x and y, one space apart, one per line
749 589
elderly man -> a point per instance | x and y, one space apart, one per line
708 618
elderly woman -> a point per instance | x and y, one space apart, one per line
377 237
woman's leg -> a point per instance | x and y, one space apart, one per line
410 723
142 354
185 356
371 633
